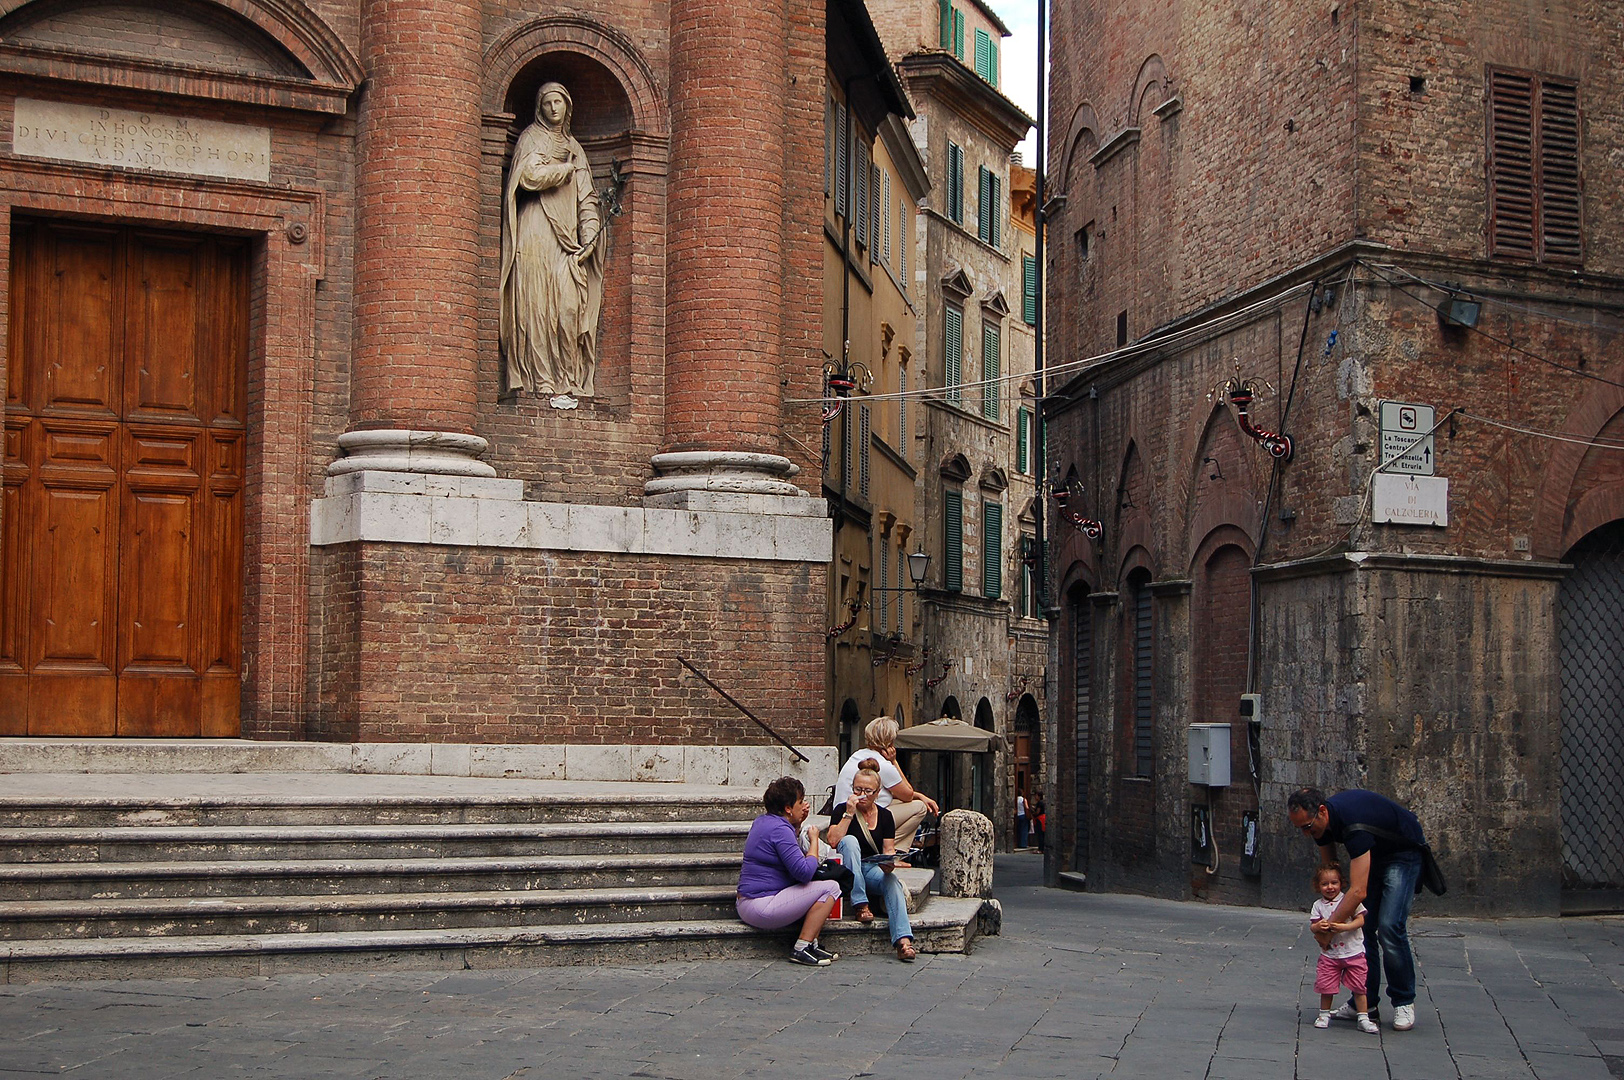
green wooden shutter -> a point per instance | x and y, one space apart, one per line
944 17
1029 290
992 548
1023 445
983 202
955 183
992 62
991 368
995 211
953 540
953 351
958 33
983 58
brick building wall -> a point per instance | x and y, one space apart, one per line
1317 175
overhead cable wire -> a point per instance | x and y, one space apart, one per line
1216 325
1600 444
1498 301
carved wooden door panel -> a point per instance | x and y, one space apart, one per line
121 540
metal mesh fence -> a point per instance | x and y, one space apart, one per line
1591 632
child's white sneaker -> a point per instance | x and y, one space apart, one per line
1345 1011
1323 1020
1367 1025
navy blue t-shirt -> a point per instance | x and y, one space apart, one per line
1359 807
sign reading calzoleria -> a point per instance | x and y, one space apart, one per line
140 140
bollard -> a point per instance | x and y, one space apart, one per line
966 864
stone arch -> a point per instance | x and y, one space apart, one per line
1569 504
956 467
295 29
1083 126
950 707
1153 81
1230 500
595 57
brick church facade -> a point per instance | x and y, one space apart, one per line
263 475
1356 209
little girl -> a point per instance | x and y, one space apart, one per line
1342 945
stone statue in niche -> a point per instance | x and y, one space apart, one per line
553 243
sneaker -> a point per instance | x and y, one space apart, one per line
817 950
1323 1020
1345 1011
1403 1017
805 958
1367 1025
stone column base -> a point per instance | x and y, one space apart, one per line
720 473
435 453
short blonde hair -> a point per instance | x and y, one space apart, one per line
881 733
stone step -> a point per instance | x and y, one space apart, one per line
260 843
946 925
306 877
238 915
569 803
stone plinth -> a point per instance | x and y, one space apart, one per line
966 854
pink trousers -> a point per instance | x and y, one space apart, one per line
786 905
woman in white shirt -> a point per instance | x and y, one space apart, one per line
907 806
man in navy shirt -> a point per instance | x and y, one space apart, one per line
1384 865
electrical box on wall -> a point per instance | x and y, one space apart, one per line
1209 754
1252 708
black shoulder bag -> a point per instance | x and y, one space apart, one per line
1432 875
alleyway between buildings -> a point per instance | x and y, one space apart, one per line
1078 986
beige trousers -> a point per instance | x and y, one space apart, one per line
907 816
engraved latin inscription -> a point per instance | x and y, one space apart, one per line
140 140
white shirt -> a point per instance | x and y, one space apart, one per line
1348 943
1020 806
890 777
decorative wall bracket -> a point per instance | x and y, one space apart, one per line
854 606
1063 495
1241 392
931 684
913 669
840 379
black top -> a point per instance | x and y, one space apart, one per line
1359 807
885 828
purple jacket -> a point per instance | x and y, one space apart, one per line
772 858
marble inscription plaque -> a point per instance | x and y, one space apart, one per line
140 140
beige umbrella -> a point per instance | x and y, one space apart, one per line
949 734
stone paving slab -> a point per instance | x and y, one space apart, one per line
1078 986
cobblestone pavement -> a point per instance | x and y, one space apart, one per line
1078 986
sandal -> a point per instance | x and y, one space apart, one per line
864 913
906 951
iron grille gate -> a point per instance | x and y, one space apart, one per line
1083 684
1591 634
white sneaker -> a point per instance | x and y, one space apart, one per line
1323 1020
1403 1017
1366 1025
1345 1011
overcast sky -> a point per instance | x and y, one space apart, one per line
1019 60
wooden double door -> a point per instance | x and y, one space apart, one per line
121 532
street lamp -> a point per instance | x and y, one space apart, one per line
918 565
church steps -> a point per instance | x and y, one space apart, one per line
946 925
260 842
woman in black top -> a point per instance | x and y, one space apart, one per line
859 829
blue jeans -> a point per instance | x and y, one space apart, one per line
1391 891
1020 830
871 878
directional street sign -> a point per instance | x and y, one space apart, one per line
1403 425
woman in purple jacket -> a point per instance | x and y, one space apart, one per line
775 884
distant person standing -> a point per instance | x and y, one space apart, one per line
1021 819
1383 841
1040 820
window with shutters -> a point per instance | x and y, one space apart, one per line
1023 441
1029 581
958 33
862 450
828 143
944 24
1138 611
991 367
859 216
845 451
905 237
990 197
955 183
953 351
1029 290
885 247
992 550
902 410
1533 158
885 583
873 211
986 57
953 540
842 158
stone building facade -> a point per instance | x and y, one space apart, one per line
1347 205
263 472
975 351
